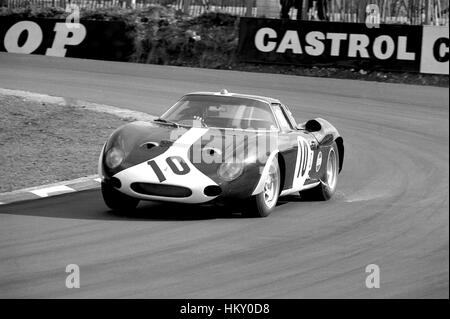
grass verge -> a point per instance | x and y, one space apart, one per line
42 143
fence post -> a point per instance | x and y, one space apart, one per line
305 9
427 12
186 6
249 6
361 10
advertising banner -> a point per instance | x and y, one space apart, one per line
389 47
435 50
103 40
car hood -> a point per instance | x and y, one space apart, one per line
142 141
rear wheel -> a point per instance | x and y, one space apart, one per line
264 203
327 187
118 201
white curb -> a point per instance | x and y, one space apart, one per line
101 108
48 190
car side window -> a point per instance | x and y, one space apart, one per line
285 124
289 116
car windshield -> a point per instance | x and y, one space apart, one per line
221 111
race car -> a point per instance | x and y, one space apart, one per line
221 148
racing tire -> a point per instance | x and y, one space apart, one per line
262 204
327 187
117 201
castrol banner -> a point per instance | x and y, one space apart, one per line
384 47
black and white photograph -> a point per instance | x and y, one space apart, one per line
219 157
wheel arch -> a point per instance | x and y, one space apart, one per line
340 145
275 155
282 166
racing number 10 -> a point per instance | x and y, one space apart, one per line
302 158
182 170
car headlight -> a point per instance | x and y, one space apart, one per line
230 171
114 157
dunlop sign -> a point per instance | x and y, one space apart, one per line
103 40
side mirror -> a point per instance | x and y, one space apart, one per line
310 126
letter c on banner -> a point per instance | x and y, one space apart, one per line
441 50
34 37
435 50
260 39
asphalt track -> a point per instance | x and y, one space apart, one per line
391 208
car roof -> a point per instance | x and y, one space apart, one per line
239 95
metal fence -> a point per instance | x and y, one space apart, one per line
434 12
191 7
417 12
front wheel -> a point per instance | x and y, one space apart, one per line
118 201
327 187
263 204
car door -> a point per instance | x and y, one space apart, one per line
295 149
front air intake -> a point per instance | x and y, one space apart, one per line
212 190
161 190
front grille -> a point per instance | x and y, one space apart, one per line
161 190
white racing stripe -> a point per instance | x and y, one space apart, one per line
194 179
190 137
